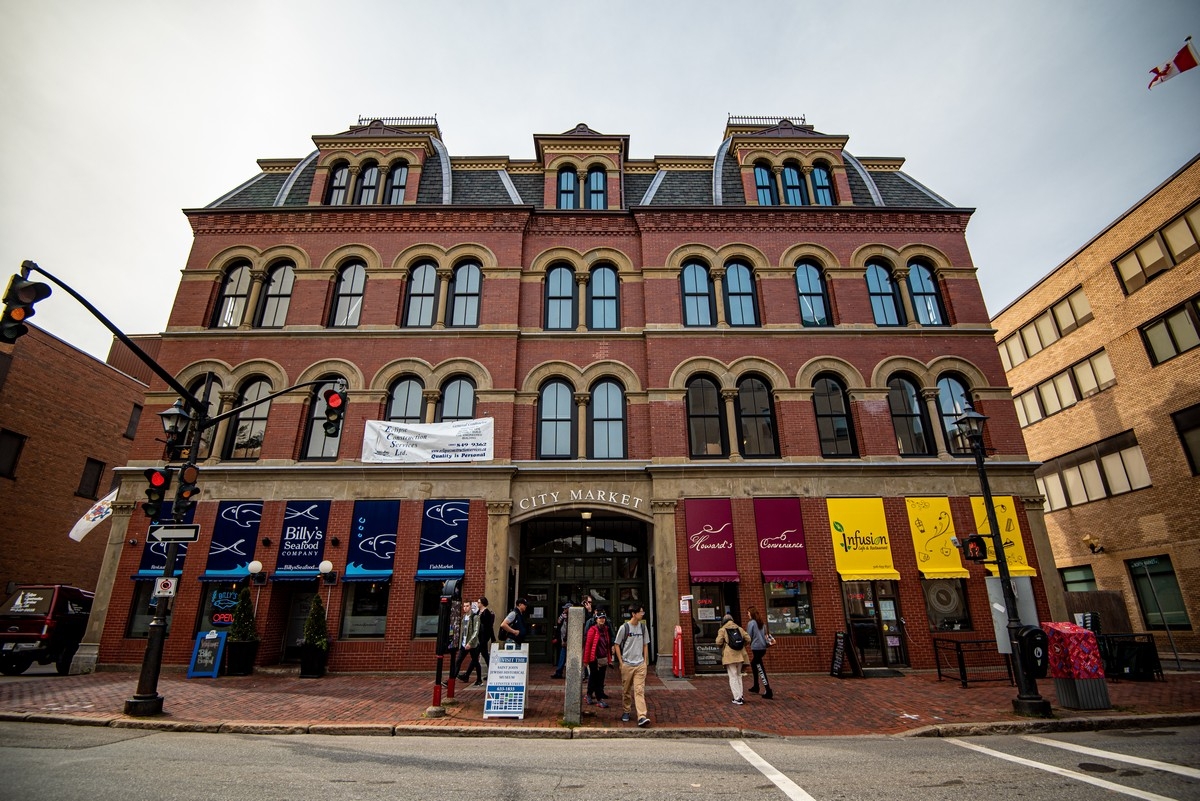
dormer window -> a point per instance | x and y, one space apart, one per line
368 184
822 185
597 182
794 193
397 178
764 184
339 184
568 188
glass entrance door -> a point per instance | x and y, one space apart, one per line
873 617
710 603
294 631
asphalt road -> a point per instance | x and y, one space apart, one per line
61 763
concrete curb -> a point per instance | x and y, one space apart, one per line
165 725
70 720
1055 725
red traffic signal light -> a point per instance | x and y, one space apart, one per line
975 548
18 306
159 481
335 410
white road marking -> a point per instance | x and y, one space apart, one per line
789 787
1132 760
1070 774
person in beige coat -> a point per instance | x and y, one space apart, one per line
733 658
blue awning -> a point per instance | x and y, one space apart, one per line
224 578
439 575
151 575
296 575
382 575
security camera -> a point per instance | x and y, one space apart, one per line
954 541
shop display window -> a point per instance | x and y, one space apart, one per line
946 604
429 599
789 607
142 611
364 609
216 609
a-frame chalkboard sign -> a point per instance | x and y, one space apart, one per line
843 652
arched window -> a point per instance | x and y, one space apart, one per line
698 302
908 418
339 185
756 419
422 296
606 418
952 401
277 296
568 188
597 180
822 185
560 298
794 191
397 178
464 295
764 185
247 428
231 302
213 408
318 444
927 301
603 306
810 285
741 306
556 421
706 419
835 429
885 295
406 402
457 401
368 184
348 295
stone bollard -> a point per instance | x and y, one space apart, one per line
573 691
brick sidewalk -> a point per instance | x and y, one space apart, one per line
803 705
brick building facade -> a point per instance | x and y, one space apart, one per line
1103 360
67 422
725 376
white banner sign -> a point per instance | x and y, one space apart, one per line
457 441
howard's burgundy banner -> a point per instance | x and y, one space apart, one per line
781 550
711 555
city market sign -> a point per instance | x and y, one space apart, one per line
600 497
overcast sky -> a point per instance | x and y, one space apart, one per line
119 114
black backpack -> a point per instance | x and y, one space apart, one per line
734 638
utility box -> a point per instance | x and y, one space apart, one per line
1077 667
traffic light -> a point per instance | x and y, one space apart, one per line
159 481
975 548
335 410
187 492
18 306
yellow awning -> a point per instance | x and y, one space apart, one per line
862 549
931 526
1010 530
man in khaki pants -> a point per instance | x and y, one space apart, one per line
633 653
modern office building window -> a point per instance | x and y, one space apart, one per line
1078 579
835 429
908 418
1164 249
346 308
1113 466
1187 425
1158 593
422 296
277 296
706 419
231 302
699 306
1176 332
1045 329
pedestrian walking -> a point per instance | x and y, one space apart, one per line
760 640
512 628
597 653
487 633
633 655
560 641
732 638
469 644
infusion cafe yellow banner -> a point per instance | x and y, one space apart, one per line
931 527
862 549
1010 533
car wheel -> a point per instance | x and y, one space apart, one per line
15 667
63 663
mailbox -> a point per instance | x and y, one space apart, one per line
1035 651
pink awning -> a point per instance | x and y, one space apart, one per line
711 555
781 550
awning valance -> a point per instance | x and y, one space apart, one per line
372 541
862 549
711 556
442 553
234 538
782 554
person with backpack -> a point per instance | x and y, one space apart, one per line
633 656
732 638
760 638
512 628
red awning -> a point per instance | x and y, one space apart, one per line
711 555
781 550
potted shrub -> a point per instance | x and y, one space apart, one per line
241 646
314 650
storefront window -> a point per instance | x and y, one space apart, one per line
1078 579
429 598
365 609
142 611
216 612
946 604
1158 593
789 607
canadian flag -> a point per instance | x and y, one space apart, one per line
1184 60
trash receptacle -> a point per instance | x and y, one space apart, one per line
1076 667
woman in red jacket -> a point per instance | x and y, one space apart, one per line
597 655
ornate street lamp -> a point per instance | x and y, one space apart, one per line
175 421
1027 702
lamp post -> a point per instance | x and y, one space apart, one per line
1027 702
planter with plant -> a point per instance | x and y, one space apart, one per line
314 650
241 645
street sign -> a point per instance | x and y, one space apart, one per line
165 587
176 532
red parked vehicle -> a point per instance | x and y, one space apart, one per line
42 623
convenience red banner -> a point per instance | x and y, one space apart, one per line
781 550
